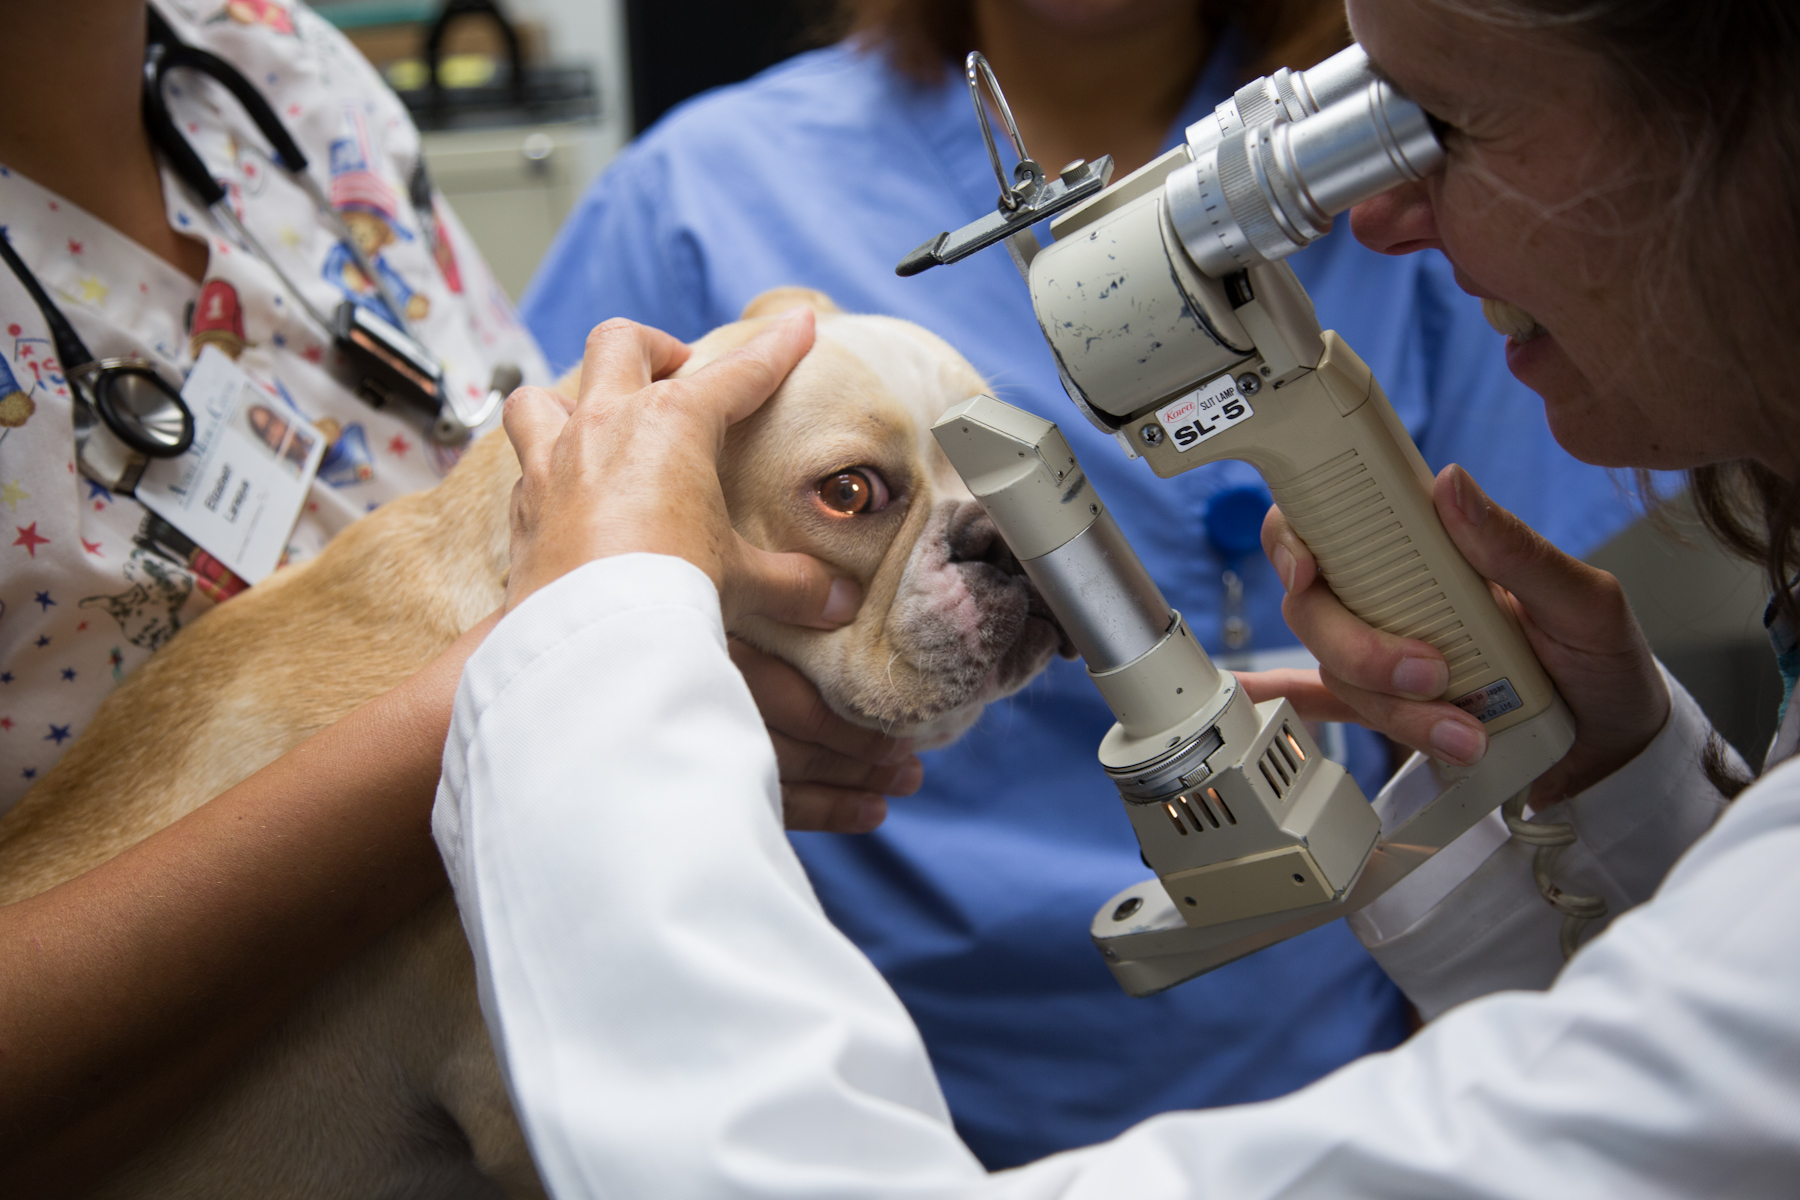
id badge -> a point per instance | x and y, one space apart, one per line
239 488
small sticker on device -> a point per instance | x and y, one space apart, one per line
1495 700
1210 410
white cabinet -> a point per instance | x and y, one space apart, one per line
513 186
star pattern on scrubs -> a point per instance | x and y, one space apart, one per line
82 602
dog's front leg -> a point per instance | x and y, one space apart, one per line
472 1091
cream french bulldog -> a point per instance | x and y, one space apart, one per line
381 1083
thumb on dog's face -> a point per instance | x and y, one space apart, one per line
792 588
634 468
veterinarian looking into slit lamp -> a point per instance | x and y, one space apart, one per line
219 237
765 1057
841 161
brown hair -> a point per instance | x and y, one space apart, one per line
1718 77
923 37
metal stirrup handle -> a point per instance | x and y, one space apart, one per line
1028 176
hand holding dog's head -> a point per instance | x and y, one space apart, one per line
633 467
841 465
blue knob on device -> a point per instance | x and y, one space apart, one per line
1234 518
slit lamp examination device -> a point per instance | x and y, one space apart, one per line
1179 330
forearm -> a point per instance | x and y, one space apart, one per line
125 991
610 817
677 1017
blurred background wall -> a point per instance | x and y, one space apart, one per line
601 70
513 170
1702 612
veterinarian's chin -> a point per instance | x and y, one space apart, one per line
964 627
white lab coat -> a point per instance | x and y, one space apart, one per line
677 1017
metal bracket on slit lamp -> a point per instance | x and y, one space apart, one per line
1077 182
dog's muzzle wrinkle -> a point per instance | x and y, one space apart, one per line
960 632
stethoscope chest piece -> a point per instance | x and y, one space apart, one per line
125 412
137 405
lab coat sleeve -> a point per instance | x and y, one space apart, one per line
1445 942
677 1018
666 996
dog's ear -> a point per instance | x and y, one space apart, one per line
776 301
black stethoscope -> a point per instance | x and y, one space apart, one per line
388 361
126 394
164 52
131 399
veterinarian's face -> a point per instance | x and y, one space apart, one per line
1555 200
842 464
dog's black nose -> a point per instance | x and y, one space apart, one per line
972 538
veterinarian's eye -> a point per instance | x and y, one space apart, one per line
854 492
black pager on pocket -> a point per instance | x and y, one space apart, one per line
388 365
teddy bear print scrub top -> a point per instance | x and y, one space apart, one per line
82 603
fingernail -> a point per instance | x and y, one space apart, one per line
793 314
1469 498
908 778
871 811
1283 559
842 603
1458 743
1424 678
900 751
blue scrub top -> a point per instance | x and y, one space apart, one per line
974 898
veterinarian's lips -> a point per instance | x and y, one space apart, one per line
1510 319
1503 315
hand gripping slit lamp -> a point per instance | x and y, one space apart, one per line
1179 330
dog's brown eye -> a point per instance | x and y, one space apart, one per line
854 492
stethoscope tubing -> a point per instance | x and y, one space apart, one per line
166 52
92 382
